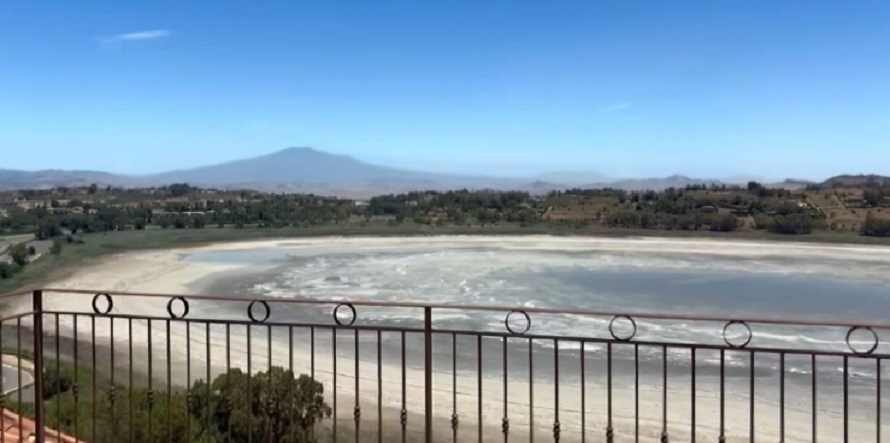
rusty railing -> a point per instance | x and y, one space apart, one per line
167 367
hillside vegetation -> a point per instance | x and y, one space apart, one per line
88 221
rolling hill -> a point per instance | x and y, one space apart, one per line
307 170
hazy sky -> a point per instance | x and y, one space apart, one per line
622 87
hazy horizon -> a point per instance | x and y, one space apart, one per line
566 176
503 88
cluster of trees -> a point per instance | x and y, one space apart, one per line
279 407
19 256
876 227
670 221
457 207
874 197
760 190
272 211
96 218
694 207
789 223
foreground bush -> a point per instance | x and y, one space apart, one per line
278 407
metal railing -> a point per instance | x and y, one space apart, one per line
168 367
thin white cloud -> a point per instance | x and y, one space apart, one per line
141 36
615 107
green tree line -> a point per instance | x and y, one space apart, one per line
696 207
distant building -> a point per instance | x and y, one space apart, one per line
72 210
855 202
33 204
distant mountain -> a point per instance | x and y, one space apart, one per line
855 180
289 170
791 184
293 165
49 178
571 178
655 184
307 167
307 170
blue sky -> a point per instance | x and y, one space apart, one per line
503 87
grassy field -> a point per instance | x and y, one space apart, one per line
98 245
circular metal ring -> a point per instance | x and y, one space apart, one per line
528 322
747 339
185 308
337 318
265 315
612 328
865 328
107 300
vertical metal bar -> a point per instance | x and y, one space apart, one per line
357 411
583 394
479 383
752 421
3 382
269 389
290 367
250 390
878 404
846 402
428 372
609 431
170 384
403 414
505 422
637 394
39 388
815 390
379 388
111 393
188 376
782 397
531 393
334 391
130 367
75 388
722 395
454 417
228 397
664 393
58 371
18 353
209 382
692 380
94 368
556 425
150 382
312 370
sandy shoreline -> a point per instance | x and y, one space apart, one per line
167 272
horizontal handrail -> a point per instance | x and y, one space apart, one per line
498 308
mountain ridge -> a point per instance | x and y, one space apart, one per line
305 169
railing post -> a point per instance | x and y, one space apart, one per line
428 371
39 419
